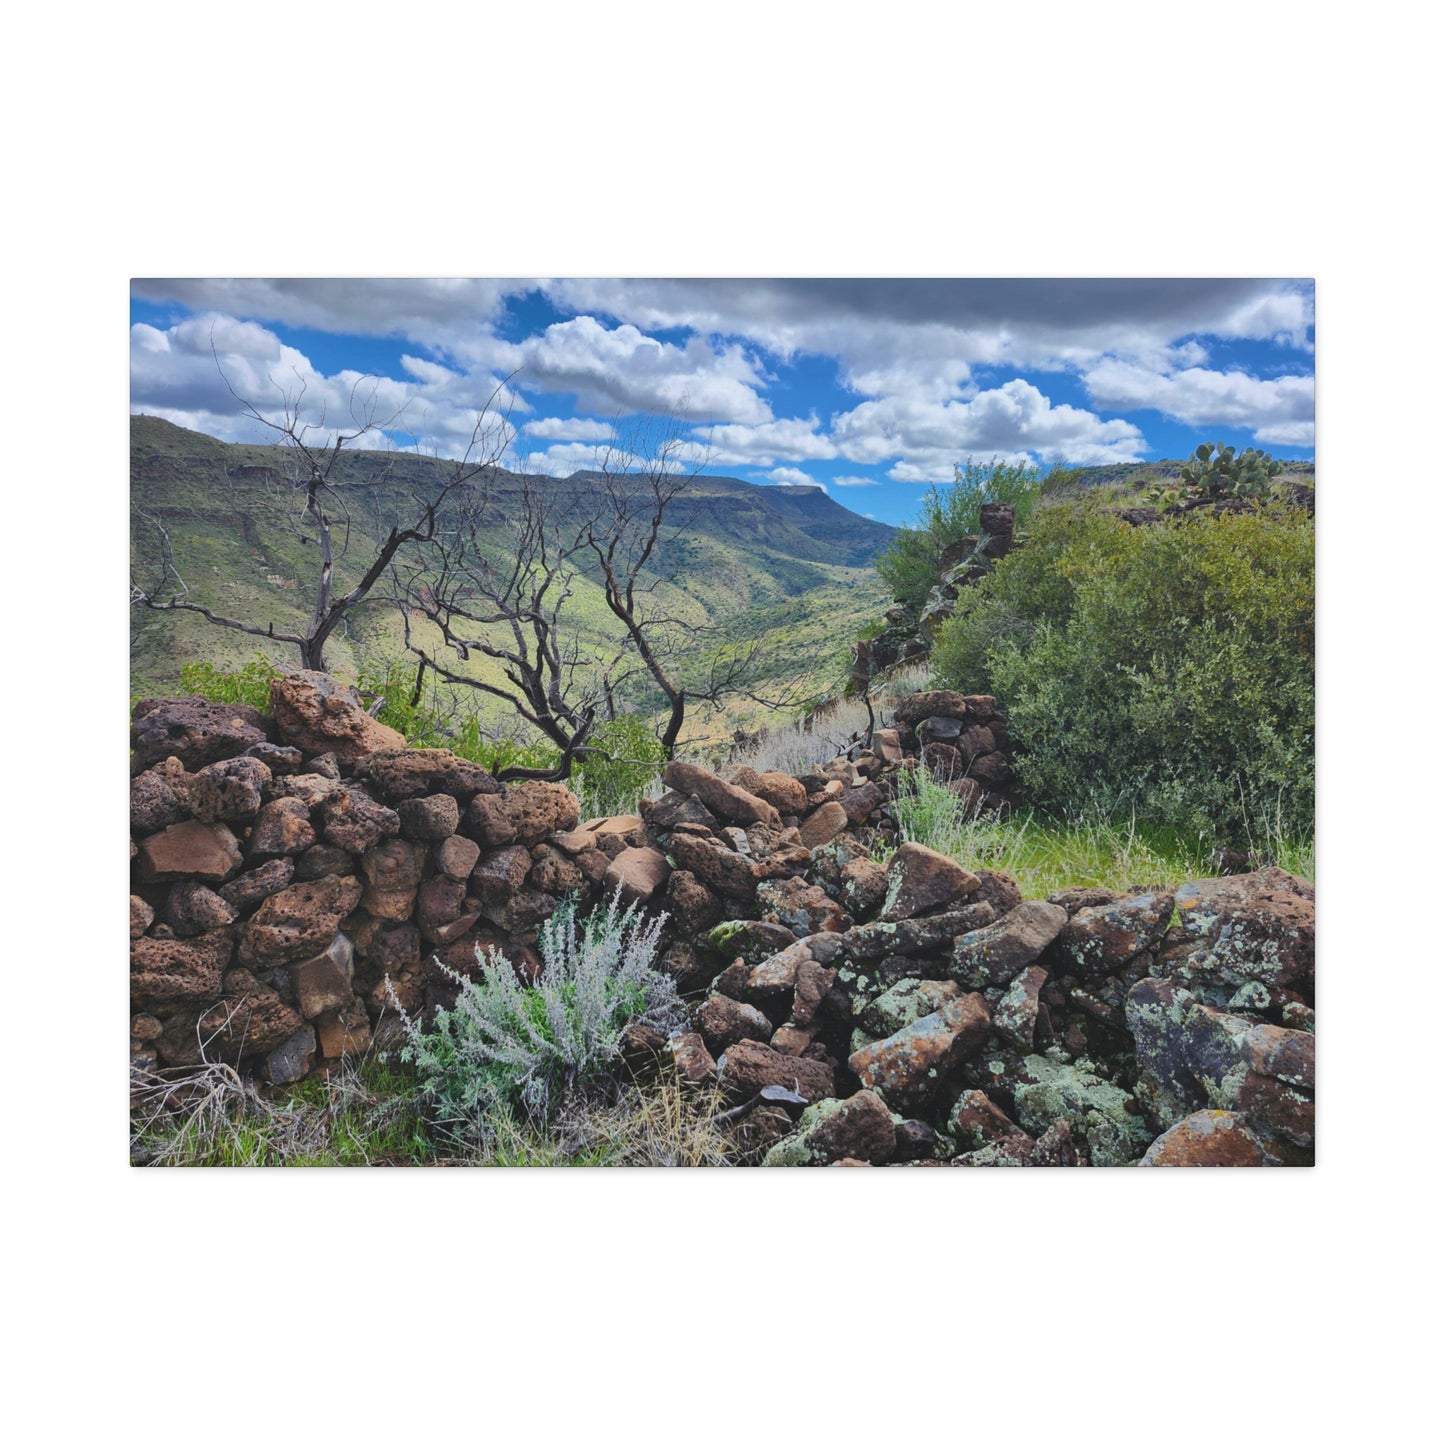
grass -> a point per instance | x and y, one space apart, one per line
1044 855
368 1113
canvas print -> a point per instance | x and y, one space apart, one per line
740 723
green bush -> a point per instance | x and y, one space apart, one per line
508 1047
1165 672
623 760
910 565
251 685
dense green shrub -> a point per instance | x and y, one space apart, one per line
1163 671
250 685
510 1047
623 760
910 565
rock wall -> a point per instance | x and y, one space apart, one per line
285 866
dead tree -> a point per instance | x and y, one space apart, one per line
321 517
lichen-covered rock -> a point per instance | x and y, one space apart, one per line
298 922
1049 1091
915 936
1209 1138
910 1066
977 1122
1016 1014
860 1127
801 907
921 880
166 973
1286 1054
317 714
863 885
713 863
417 772
990 957
192 730
749 1066
208 851
905 1003
1250 926
229 791
1099 940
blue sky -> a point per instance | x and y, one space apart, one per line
873 389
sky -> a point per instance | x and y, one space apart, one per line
872 389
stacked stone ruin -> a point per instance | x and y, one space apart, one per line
298 875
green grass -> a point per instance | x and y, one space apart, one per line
1044 855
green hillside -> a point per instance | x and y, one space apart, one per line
785 570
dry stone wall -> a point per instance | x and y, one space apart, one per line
297 874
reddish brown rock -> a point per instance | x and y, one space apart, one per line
208 851
160 797
627 828
640 874
693 906
394 866
251 1018
500 874
801 907
317 714
1209 1138
322 861
863 885
554 872
786 794
142 915
522 813
749 1066
247 891
811 983
692 1060
823 824
998 889
1071 900
521 911
714 864
429 820
724 799
861 803
312 789
1251 926
910 1066
992 771
192 730
282 830
922 881
440 902
1286 1054
456 856
229 791
352 819
166 973
342 1033
912 710
416 772
193 909
324 982
145 1028
1017 1013
298 922
942 761
723 1021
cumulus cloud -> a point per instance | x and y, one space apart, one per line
569 428
625 368
1014 422
1273 409
789 439
792 477
855 481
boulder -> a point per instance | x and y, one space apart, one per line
722 1021
429 820
713 863
323 860
324 982
863 885
1099 940
251 1018
521 813
317 714
915 936
193 909
352 819
823 824
193 731
1048 1091
282 830
859 1128
1250 926
691 1058
142 915
786 794
344 1032
291 1062
694 907
500 874
166 973
906 1002
554 872
912 710
456 856
801 907
1016 1014
911 1065
247 891
990 957
160 796
640 874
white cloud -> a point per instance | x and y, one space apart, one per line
625 368
855 481
789 439
1280 406
792 477
1014 422
565 428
